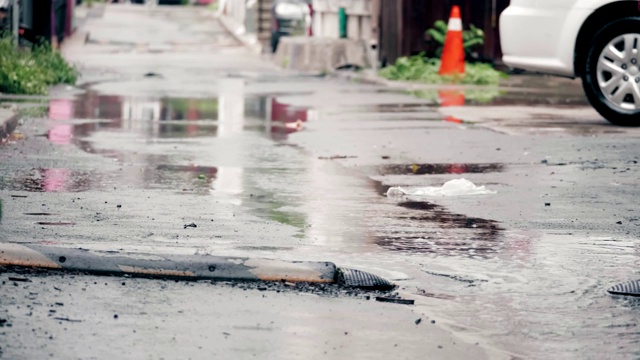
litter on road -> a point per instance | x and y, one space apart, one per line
456 187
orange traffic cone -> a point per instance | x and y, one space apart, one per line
453 53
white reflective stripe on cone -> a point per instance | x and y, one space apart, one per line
455 24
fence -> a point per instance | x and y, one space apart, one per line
403 24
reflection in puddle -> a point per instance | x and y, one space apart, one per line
198 179
432 169
200 170
384 108
232 112
50 180
429 228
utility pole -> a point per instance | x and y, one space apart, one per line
15 17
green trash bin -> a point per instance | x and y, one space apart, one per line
342 17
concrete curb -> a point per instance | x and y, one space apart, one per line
8 121
191 267
370 77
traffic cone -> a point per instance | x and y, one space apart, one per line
452 60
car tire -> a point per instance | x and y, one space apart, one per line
611 79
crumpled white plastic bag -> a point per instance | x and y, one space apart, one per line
456 187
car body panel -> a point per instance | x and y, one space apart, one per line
541 35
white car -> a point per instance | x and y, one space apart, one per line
597 40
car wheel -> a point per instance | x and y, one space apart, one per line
611 77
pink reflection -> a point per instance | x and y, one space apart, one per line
61 109
192 115
61 134
287 119
55 179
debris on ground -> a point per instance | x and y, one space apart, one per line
456 187
20 279
336 157
193 225
395 300
67 319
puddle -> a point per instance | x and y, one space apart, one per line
416 227
231 112
199 170
384 109
196 179
424 227
264 248
74 120
50 180
434 169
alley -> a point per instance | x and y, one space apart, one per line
175 122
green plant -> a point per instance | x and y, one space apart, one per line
32 71
419 68
33 111
471 38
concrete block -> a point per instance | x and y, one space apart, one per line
320 54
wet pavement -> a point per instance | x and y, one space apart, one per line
271 163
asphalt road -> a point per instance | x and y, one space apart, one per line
174 123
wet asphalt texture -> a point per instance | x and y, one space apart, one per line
174 123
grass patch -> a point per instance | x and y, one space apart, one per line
32 71
36 111
419 68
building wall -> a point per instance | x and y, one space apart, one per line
326 22
235 9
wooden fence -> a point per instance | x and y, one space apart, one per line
403 24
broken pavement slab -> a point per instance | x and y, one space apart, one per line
8 121
189 267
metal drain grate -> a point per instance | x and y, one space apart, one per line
361 279
631 288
